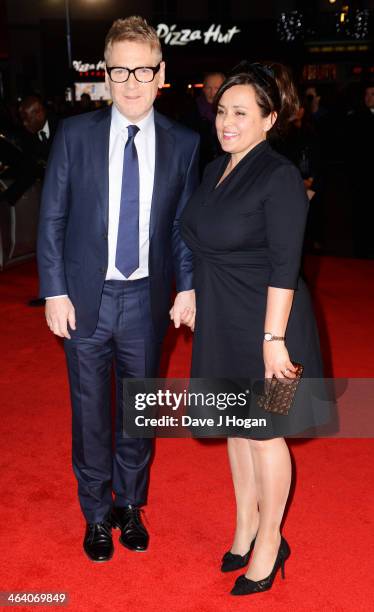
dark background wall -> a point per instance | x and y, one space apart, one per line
33 54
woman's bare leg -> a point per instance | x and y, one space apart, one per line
243 476
272 472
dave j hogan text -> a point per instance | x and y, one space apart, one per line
222 420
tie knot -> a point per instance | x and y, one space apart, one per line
132 130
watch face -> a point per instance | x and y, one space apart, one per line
268 336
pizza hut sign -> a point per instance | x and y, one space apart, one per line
169 35
80 66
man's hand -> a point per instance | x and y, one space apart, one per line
59 312
184 309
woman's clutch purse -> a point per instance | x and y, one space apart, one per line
280 392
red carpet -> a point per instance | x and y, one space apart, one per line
191 511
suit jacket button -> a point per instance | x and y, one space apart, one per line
102 270
105 236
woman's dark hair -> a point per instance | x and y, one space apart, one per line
274 89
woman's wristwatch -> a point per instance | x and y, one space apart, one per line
269 337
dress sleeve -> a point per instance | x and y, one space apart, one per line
286 208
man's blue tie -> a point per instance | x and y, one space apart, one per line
127 251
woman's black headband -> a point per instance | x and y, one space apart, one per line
260 70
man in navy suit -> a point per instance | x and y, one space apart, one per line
109 246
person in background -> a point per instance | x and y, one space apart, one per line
360 137
16 168
212 83
300 143
85 104
40 128
201 118
313 105
17 171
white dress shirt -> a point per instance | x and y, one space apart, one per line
46 131
145 143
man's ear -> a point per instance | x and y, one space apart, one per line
107 84
161 79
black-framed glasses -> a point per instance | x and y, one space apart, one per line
143 74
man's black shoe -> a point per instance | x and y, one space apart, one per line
133 533
98 543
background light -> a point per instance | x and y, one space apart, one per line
290 26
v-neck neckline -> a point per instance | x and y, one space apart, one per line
226 160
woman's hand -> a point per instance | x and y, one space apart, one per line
184 309
277 361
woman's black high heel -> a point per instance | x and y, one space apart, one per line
231 562
245 586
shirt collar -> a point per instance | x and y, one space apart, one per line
45 129
120 122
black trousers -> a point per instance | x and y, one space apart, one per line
104 463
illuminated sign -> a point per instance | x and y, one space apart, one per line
169 35
80 66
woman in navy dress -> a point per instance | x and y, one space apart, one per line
245 225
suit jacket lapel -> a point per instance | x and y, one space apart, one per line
163 161
100 159
100 162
